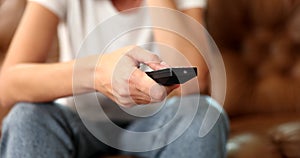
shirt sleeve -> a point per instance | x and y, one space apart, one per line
58 7
188 4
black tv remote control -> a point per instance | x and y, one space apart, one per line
171 76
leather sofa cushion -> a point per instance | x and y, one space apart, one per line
270 135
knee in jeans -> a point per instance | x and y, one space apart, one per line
21 115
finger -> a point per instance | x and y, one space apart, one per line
143 56
142 101
124 101
158 66
137 94
147 85
169 89
133 98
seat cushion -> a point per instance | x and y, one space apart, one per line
272 135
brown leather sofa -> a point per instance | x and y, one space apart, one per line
260 44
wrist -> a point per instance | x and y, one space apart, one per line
84 75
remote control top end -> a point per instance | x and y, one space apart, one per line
171 76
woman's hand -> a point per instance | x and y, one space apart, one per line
118 77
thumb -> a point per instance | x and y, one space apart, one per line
141 55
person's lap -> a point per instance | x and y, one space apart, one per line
51 130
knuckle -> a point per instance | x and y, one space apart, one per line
125 103
123 92
159 95
154 57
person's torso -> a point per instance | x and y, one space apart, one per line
96 26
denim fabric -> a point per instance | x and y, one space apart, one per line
52 131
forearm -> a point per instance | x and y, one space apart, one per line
190 56
35 83
42 82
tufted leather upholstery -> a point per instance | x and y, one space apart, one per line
260 44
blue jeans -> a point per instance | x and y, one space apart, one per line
52 131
